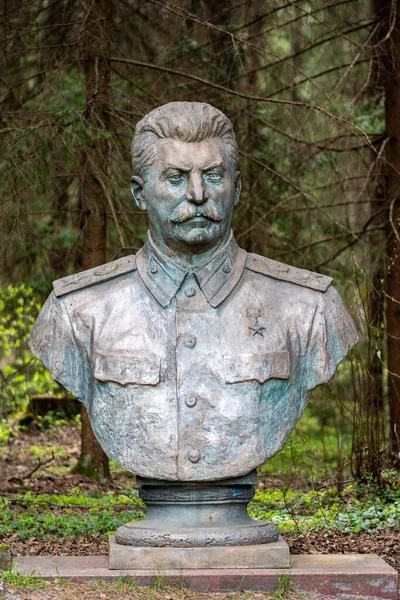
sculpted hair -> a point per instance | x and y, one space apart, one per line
184 121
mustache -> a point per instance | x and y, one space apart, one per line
187 210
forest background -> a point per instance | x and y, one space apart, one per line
313 91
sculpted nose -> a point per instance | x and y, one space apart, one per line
196 191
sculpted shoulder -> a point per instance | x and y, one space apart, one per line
94 276
283 272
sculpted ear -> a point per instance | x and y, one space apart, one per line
137 185
238 187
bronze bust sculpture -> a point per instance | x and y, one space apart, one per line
194 359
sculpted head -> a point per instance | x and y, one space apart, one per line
184 162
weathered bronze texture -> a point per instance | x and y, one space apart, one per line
198 514
195 359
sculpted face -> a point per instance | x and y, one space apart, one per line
189 194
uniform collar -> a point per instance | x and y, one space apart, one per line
216 277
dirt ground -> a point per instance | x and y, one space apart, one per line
20 457
122 591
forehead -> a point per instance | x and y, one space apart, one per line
191 155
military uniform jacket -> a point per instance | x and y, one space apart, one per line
193 375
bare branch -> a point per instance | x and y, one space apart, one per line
229 91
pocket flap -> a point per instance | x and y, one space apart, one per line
127 368
258 367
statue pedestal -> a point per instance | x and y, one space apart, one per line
332 576
197 525
274 555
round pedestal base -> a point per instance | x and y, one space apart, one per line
132 534
183 515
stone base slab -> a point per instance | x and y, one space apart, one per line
332 576
274 555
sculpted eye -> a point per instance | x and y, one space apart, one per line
213 177
176 179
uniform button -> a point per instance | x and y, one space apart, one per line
194 456
153 269
190 341
190 291
191 401
226 269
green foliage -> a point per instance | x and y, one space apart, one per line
380 510
285 588
53 419
14 577
21 376
370 517
38 452
18 311
356 509
73 515
317 444
369 115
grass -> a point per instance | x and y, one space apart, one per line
285 588
13 577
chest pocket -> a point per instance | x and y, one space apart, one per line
257 367
123 368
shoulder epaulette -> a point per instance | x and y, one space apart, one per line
277 270
92 276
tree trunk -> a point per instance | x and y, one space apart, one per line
95 161
392 110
